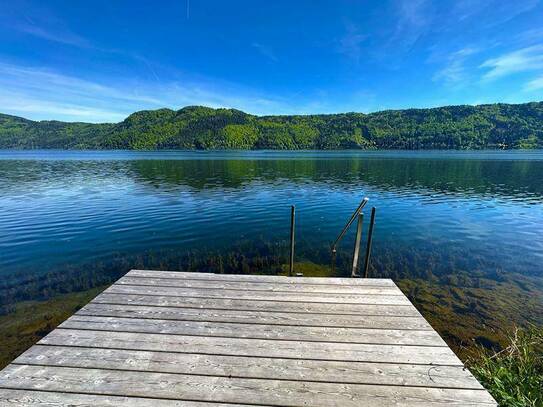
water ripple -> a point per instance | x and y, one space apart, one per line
69 207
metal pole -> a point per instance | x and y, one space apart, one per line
292 216
333 265
357 245
351 220
368 247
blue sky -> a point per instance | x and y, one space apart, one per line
99 61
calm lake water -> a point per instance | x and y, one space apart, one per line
471 220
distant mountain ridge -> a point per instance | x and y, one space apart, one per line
492 126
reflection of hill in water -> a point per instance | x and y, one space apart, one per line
506 179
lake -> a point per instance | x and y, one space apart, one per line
460 232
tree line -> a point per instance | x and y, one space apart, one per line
493 126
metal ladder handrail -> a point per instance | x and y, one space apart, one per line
349 222
357 213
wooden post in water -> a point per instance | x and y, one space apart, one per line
368 247
291 263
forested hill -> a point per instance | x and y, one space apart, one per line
496 126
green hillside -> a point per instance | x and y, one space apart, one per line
495 126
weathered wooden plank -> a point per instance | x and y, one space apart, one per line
29 398
252 317
257 295
258 305
190 339
383 282
261 286
258 331
232 390
254 347
253 367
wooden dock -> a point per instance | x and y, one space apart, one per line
158 338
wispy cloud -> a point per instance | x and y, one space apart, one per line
350 44
529 37
454 72
40 79
522 60
40 93
535 84
59 35
24 105
414 18
489 13
265 51
412 12
39 21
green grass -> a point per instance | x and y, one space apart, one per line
514 375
